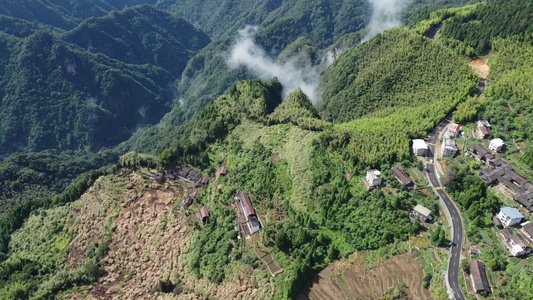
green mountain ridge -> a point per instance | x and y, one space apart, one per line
59 96
141 35
63 221
65 14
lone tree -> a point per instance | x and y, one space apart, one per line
449 178
465 265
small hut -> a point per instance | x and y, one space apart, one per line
204 214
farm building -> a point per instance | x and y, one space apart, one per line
497 222
204 214
473 250
422 213
510 216
252 223
448 148
372 180
519 246
479 276
527 228
480 153
187 201
223 170
400 176
453 130
483 129
419 147
501 172
496 145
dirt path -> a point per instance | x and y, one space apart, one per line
481 67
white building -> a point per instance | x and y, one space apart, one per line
496 145
509 216
453 130
373 177
519 246
448 148
483 123
422 213
419 147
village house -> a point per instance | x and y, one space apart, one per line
480 153
519 246
497 222
422 213
515 243
223 170
527 229
478 276
204 214
251 225
372 180
501 172
448 148
496 145
400 176
187 201
419 147
453 130
483 129
510 216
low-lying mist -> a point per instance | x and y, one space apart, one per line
386 14
245 52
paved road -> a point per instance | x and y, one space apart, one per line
456 222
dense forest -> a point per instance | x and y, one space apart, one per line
390 94
57 96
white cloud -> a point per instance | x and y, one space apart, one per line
248 54
385 14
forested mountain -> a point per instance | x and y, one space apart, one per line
283 167
77 77
141 35
395 87
65 14
59 96
471 34
284 20
321 23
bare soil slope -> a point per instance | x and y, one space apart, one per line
149 240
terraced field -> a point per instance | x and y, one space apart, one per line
350 279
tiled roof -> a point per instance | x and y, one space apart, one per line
479 276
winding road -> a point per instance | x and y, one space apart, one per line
452 276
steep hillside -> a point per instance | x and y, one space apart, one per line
395 87
321 21
64 14
472 34
59 97
141 35
44 174
311 203
396 69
